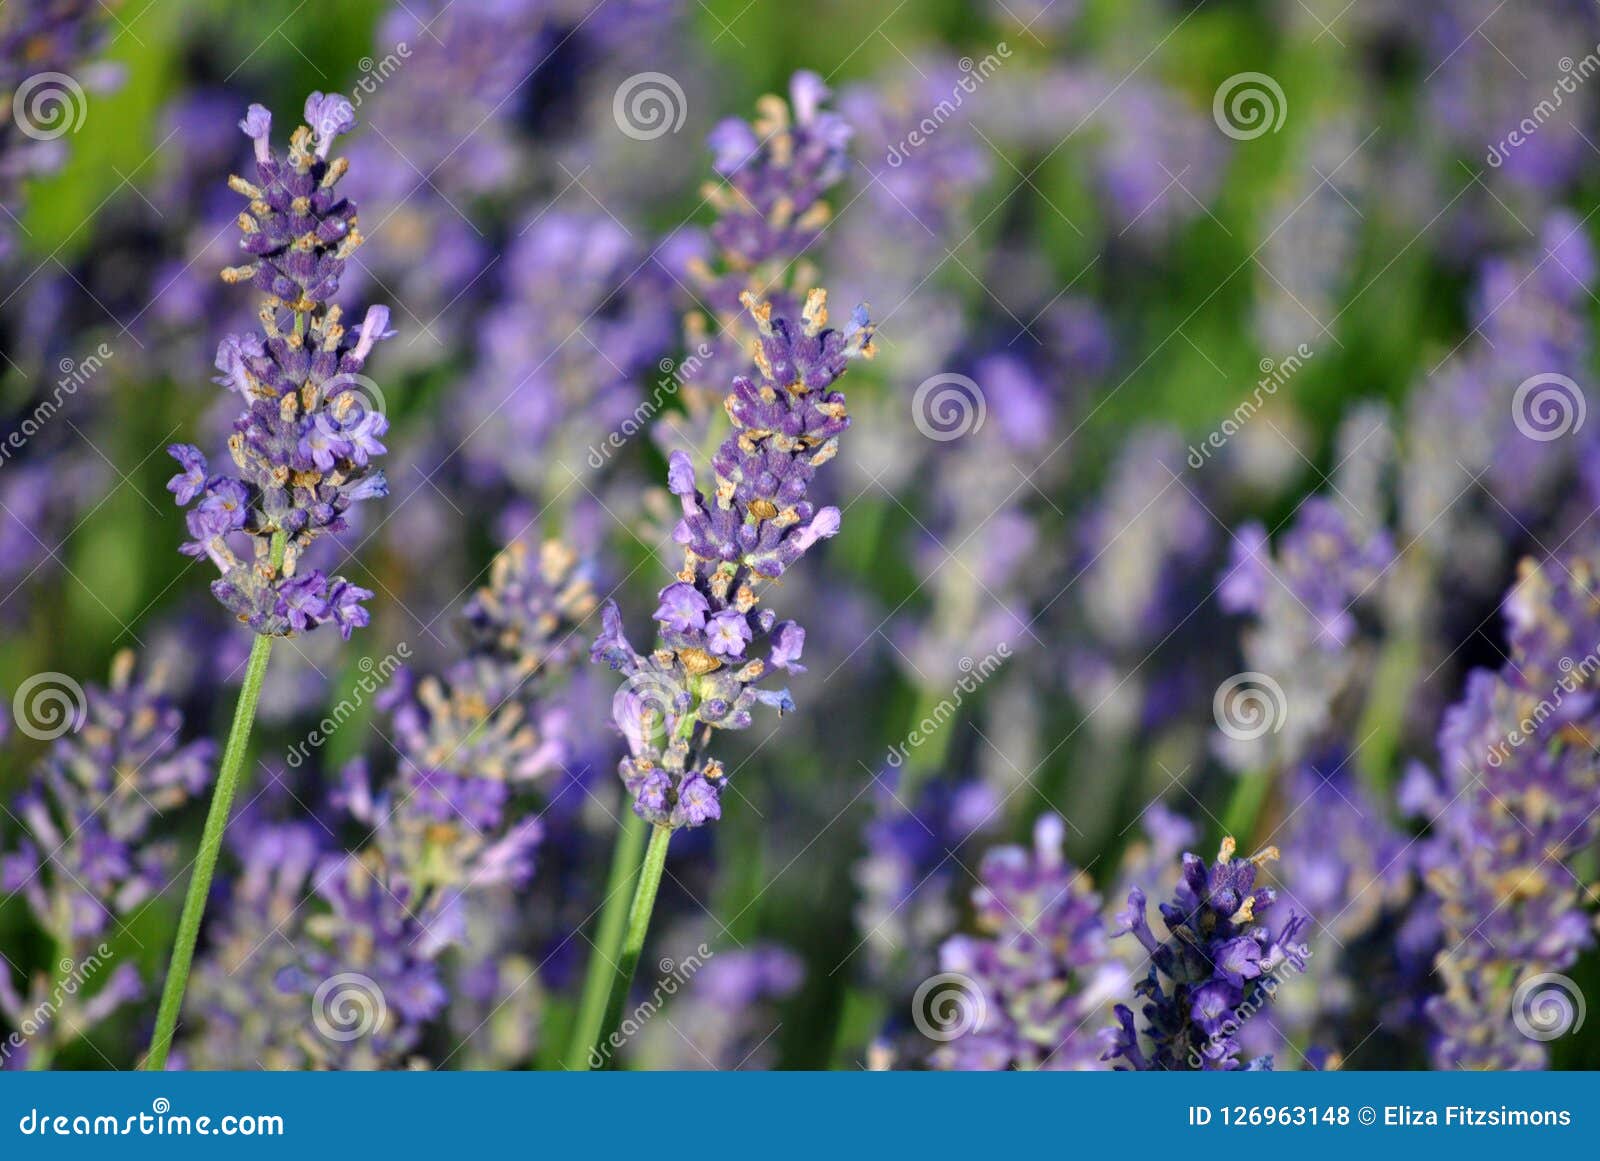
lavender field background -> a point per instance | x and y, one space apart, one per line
1157 628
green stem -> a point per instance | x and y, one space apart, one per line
1243 812
205 864
644 902
604 959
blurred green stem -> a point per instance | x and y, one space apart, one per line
1243 812
604 957
1384 717
205 864
644 902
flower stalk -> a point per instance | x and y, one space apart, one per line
205 865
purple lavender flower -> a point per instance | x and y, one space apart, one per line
1502 450
1307 599
1347 866
317 962
1042 972
755 525
1217 964
771 208
471 741
304 444
91 852
1513 805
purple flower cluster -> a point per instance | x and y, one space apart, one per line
757 522
93 852
1306 598
91 812
907 871
311 427
771 206
1515 803
317 963
1349 867
1042 969
1215 967
473 739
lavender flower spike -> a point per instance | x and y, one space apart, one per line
303 448
757 521
311 426
1216 966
